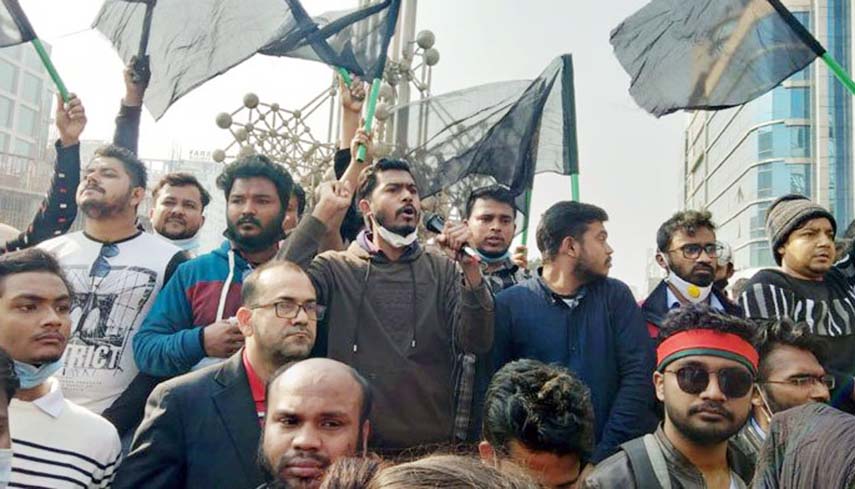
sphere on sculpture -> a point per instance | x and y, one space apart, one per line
250 101
431 57
218 155
224 120
425 39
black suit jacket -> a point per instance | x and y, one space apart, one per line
200 431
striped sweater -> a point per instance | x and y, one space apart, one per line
58 444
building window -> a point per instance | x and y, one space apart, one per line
764 181
8 76
6 107
31 89
761 255
23 148
26 122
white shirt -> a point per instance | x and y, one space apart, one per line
674 302
107 312
58 444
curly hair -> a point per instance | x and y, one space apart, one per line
257 166
686 221
543 407
784 331
701 316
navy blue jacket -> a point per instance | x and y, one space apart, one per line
603 340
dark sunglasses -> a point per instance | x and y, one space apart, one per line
101 267
734 382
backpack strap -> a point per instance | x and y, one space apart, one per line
647 463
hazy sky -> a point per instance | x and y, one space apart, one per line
629 160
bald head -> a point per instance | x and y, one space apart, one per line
317 412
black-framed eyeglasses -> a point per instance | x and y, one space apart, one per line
806 381
288 309
101 267
692 251
734 382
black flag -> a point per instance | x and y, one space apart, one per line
496 133
710 54
15 28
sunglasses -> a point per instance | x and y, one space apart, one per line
734 382
101 267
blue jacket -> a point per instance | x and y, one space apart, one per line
169 341
602 339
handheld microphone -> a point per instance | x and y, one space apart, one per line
434 223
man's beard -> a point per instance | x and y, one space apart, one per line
585 272
186 234
701 280
102 210
707 435
268 236
272 474
774 404
404 230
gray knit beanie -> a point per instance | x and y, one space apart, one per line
786 214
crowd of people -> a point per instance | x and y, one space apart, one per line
333 346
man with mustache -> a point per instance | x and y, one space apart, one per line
317 412
177 211
56 443
397 313
573 314
201 430
116 272
194 318
790 374
706 366
809 286
491 217
688 251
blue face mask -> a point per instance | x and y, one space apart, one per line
492 258
32 376
5 466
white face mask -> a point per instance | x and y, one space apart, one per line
691 292
396 239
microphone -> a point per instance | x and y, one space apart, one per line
434 223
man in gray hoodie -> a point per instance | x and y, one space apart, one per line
397 313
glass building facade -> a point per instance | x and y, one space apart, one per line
795 139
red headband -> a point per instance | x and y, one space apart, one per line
706 342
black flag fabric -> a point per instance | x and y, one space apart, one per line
710 54
356 40
496 133
190 42
15 28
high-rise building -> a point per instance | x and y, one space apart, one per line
26 165
798 138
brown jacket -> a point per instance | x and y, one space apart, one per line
400 324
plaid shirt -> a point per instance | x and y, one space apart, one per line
498 280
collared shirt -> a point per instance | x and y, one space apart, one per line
52 402
674 302
256 386
757 428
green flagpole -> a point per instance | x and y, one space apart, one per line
574 187
345 76
369 116
51 69
526 217
839 72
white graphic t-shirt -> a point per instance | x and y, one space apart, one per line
114 286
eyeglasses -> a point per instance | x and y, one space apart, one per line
692 251
101 267
734 382
288 309
806 381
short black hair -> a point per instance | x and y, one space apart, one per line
133 166
249 287
368 177
543 407
701 316
687 221
257 166
498 193
9 381
181 179
27 261
563 219
784 331
364 386
297 191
